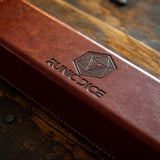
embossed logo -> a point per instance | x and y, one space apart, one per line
80 81
94 64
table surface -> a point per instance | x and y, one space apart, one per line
132 31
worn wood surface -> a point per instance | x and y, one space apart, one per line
33 134
139 18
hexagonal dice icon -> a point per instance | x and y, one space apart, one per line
94 64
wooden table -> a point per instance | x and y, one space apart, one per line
33 134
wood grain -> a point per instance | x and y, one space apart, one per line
139 19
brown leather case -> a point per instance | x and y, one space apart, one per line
99 95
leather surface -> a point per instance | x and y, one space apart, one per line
125 121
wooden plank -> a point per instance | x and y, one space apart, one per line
139 19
